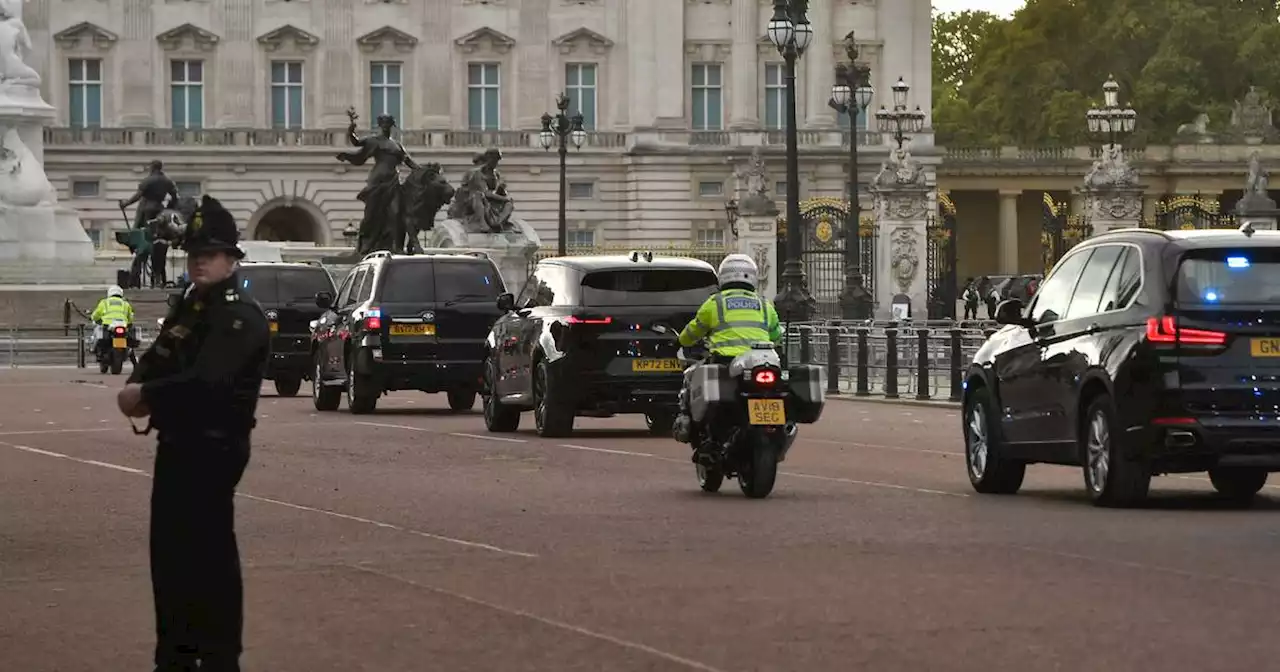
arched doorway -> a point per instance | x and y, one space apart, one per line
287 223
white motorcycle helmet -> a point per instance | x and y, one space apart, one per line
114 290
738 268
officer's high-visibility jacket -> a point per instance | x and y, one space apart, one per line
112 309
731 320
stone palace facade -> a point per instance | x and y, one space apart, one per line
246 100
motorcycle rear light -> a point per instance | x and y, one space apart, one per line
766 377
573 319
120 330
1165 330
373 319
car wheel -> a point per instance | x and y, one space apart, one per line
550 416
990 473
461 400
288 387
1239 484
362 394
323 397
1111 478
497 418
660 422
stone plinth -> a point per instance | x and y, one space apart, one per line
511 251
1113 207
758 239
903 196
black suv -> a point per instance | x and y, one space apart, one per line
287 294
1144 352
405 322
579 341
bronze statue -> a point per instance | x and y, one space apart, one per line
425 192
382 192
482 204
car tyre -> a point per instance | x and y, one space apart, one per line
1239 484
362 393
288 387
660 422
497 417
323 397
1111 478
990 472
551 417
461 400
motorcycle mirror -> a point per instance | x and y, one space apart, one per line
160 322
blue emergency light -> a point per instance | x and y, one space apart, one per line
1237 262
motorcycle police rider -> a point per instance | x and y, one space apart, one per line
113 308
731 320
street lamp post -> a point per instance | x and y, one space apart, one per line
790 32
900 122
561 130
1111 122
731 214
851 95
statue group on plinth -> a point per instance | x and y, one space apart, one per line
396 211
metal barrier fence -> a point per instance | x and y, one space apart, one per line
61 345
923 361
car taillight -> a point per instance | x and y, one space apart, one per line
766 377
573 319
1165 330
373 319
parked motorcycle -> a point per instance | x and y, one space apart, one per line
113 347
744 414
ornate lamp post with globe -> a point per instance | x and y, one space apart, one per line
851 95
561 130
790 32
1112 122
1113 197
900 122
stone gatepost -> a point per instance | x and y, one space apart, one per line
757 234
1257 208
1112 195
903 198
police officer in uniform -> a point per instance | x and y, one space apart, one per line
731 320
199 383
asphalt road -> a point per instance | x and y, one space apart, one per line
411 541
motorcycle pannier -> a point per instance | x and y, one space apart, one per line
808 386
710 384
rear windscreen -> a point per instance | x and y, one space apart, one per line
283 286
1212 277
409 282
652 287
442 281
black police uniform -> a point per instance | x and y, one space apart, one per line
201 379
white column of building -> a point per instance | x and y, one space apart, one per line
616 90
746 65
135 66
641 61
819 63
36 17
433 65
921 75
668 62
336 74
237 77
1009 231
534 95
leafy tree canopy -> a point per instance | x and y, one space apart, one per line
1030 79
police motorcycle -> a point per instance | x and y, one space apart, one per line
113 344
744 413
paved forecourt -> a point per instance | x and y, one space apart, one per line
413 539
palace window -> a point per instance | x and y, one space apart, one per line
580 238
385 92
483 96
707 96
580 83
186 89
775 97
286 94
85 78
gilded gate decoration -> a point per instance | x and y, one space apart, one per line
1191 212
822 250
941 260
1059 231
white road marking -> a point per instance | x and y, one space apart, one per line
605 450
568 627
876 484
299 507
411 428
1206 480
56 431
877 446
487 438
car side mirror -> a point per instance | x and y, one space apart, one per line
506 302
324 300
1010 312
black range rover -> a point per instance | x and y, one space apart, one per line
405 322
286 292
1143 353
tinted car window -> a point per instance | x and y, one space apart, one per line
1230 277
1123 283
1055 294
1093 281
466 282
409 282
652 287
284 285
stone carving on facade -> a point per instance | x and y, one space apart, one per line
22 178
762 253
1258 178
15 46
201 39
904 257
485 39
1112 171
1196 131
755 177
374 40
1252 118
595 42
481 203
1118 207
900 171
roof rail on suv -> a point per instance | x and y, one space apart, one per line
377 254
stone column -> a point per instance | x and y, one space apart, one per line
668 59
136 66
1113 197
820 68
641 55
746 66
533 90
337 64
435 56
901 194
1008 247
237 76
